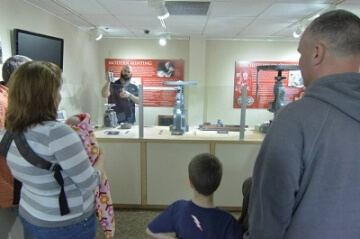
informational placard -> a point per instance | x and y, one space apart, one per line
260 95
151 74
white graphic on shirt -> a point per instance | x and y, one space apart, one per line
197 222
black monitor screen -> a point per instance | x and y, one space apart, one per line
39 47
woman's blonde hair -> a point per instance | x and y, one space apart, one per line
32 97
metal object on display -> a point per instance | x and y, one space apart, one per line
110 119
179 83
141 111
264 128
179 127
111 76
243 112
125 125
279 90
220 127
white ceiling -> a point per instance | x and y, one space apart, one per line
225 19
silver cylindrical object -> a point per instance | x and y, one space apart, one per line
110 75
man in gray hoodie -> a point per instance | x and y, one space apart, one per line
306 179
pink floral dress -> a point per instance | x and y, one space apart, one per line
104 206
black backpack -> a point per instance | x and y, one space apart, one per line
34 159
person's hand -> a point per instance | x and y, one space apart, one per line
73 120
124 94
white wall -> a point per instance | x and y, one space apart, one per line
220 69
218 73
81 54
81 67
145 49
211 63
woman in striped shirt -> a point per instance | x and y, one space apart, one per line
34 96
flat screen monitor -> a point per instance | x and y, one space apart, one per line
39 46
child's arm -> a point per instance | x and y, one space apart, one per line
160 235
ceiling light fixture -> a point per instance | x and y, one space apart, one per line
163 13
301 25
299 30
97 33
163 40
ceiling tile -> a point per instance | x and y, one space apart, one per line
238 8
226 26
291 10
131 9
226 19
84 6
262 27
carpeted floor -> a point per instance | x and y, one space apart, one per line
131 224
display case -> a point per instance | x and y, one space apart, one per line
151 172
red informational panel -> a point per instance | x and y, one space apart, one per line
151 74
260 97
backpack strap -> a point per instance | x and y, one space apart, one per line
5 143
28 153
4 148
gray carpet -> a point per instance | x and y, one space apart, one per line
131 224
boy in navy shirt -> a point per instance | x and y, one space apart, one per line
197 218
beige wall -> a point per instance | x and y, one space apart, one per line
145 49
81 54
210 63
220 69
81 68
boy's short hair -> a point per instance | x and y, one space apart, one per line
205 172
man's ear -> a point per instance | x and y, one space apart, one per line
319 54
190 183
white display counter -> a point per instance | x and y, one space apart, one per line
151 172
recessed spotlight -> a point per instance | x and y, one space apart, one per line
162 41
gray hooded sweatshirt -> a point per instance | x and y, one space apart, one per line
306 179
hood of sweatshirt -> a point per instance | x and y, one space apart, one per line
342 91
